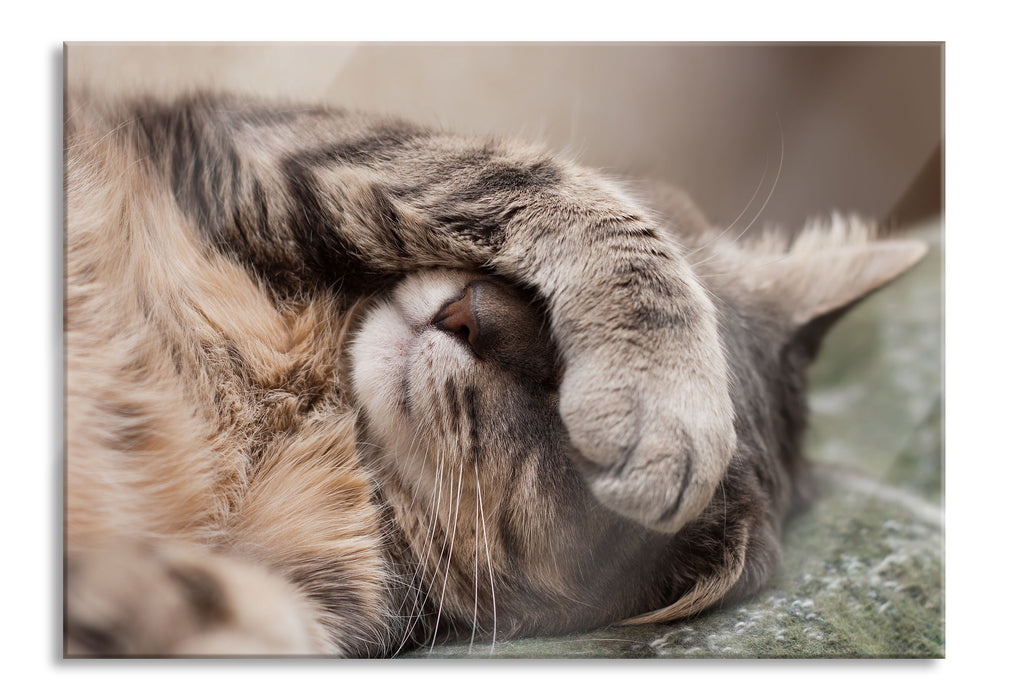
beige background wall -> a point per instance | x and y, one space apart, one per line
851 125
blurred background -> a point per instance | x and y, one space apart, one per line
851 127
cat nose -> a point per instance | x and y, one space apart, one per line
500 325
458 318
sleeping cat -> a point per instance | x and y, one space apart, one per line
343 385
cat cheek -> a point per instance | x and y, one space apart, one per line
380 356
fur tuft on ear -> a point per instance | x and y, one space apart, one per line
819 283
815 276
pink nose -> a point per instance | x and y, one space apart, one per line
457 317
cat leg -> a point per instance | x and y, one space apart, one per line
316 196
154 599
645 389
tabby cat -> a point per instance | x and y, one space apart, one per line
343 385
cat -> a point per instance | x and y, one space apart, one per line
342 385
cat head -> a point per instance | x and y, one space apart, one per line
457 368
457 378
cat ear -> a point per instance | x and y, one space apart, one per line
815 288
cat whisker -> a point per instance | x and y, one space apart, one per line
476 567
774 185
712 239
745 209
490 566
433 519
411 585
448 564
434 508
416 580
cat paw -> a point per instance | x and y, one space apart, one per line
138 600
653 444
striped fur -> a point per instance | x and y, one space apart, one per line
342 385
